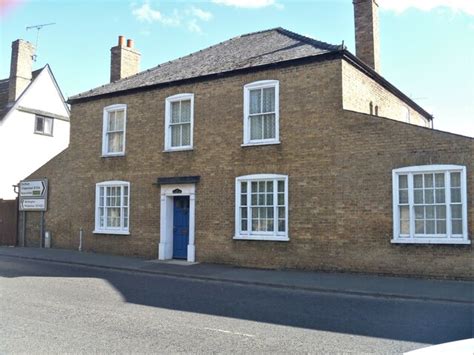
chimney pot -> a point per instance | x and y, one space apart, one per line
121 41
130 43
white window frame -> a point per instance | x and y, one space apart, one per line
112 230
262 84
44 118
168 101
429 239
105 148
248 235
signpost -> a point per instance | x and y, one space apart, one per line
34 195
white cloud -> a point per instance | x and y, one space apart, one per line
189 17
200 14
248 4
466 6
145 13
194 27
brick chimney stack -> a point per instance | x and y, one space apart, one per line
20 68
124 61
366 18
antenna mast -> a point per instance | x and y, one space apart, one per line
38 28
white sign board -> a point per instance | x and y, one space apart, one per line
33 204
33 188
34 195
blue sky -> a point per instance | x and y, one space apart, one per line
427 45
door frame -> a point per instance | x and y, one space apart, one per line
168 192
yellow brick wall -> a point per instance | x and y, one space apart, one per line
339 165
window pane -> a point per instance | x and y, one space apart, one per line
430 227
261 186
455 179
269 186
243 212
419 212
403 182
428 180
255 100
175 112
429 196
120 120
269 126
281 199
268 100
456 211
430 212
456 195
176 136
281 212
243 199
404 227
243 225
404 212
281 225
111 121
186 134
186 111
418 180
440 198
456 226
403 196
439 180
441 212
418 196
269 199
441 227
254 186
281 186
115 142
243 187
254 199
261 199
256 129
39 124
419 227
48 126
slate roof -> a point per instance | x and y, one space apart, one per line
4 105
246 51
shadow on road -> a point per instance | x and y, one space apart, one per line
405 320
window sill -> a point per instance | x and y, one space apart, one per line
111 232
430 241
252 144
183 149
112 155
44 134
262 237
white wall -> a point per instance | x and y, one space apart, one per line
21 150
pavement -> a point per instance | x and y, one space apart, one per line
342 283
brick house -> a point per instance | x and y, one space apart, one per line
269 150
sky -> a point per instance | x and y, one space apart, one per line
427 46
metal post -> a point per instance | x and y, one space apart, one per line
23 232
41 229
81 232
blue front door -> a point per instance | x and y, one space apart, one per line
180 227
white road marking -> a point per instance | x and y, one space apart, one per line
230 332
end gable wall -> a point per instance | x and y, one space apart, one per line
358 91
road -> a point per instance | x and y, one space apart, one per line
55 308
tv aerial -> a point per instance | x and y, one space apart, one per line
38 28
